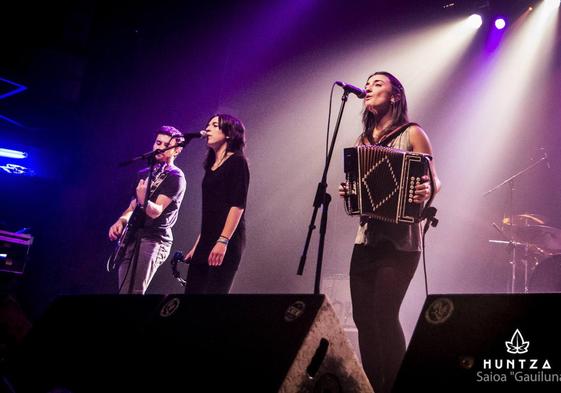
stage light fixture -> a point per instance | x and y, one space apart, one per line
9 153
500 23
475 21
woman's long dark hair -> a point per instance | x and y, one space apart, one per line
398 108
234 130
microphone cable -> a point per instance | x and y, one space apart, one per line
178 258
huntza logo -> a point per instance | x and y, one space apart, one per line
517 345
517 369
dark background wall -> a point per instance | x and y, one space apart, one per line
102 76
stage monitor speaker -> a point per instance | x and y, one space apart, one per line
193 343
485 343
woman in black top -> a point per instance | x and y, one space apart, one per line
215 257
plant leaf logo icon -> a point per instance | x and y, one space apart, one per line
517 345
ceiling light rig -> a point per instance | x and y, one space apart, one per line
494 13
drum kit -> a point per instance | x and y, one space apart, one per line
531 242
538 247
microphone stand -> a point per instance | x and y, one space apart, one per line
322 198
152 154
150 158
512 243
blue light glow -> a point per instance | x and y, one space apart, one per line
14 169
18 88
9 153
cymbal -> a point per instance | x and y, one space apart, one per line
526 219
531 250
543 236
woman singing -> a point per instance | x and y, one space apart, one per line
215 257
385 255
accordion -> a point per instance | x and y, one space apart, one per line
381 183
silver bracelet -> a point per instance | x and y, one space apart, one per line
222 240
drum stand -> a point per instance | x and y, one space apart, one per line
525 262
511 283
512 243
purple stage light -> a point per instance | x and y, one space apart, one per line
500 23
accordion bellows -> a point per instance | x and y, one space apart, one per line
381 182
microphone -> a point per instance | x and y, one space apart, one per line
188 136
351 89
194 135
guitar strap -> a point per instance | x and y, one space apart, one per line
137 217
161 174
